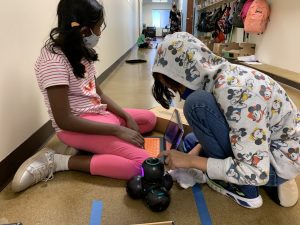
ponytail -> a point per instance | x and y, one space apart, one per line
67 37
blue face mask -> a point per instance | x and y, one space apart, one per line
186 93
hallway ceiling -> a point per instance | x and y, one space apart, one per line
163 1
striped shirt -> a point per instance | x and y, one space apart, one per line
54 69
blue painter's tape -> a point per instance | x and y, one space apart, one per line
201 205
96 213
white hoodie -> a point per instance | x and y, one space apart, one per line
264 122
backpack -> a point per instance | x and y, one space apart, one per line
257 17
202 22
237 19
212 19
245 9
224 23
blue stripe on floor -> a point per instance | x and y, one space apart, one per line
201 205
96 213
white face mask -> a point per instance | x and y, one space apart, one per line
91 41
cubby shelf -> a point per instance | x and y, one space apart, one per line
214 5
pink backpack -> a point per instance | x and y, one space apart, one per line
245 9
257 17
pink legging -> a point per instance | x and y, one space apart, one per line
113 157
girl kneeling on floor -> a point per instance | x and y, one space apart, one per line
246 129
81 114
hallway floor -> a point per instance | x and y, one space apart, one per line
67 199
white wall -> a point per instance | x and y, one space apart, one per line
24 29
147 14
147 11
278 45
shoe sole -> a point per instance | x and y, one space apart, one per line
22 168
253 203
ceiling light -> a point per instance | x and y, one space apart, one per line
162 1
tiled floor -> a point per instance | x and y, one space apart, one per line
67 199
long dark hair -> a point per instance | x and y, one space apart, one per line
69 39
162 94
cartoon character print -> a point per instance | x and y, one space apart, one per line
186 59
234 81
276 107
205 63
175 47
191 39
263 175
275 128
233 172
277 147
220 81
189 59
180 59
255 113
205 81
233 114
237 97
250 84
215 60
183 36
297 119
293 154
204 49
287 132
192 73
265 92
251 179
258 136
258 75
253 159
160 60
236 137
242 72
233 69
272 82
287 98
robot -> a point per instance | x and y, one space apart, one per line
152 186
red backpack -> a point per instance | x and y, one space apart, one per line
245 9
257 17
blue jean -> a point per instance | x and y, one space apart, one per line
211 130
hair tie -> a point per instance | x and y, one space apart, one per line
75 24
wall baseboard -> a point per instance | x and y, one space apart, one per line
109 70
14 160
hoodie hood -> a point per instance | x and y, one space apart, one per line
185 59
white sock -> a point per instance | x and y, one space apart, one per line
61 162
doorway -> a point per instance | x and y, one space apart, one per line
190 16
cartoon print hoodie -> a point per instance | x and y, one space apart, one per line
264 122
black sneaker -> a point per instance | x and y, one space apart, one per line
244 195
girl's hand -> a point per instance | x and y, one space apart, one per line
130 123
175 159
131 136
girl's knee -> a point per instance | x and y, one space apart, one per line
199 97
152 120
190 141
198 100
149 122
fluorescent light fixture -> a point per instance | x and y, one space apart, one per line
162 1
